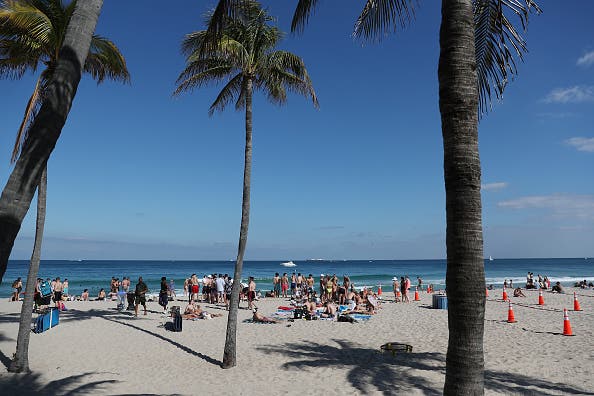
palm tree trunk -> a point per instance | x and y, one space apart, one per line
230 353
20 363
47 126
465 276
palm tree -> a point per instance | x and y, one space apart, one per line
478 45
61 37
244 57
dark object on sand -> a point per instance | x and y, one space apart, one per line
130 298
394 347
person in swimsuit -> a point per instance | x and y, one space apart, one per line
293 284
101 295
65 286
276 285
329 286
285 284
396 287
258 317
17 285
58 290
251 292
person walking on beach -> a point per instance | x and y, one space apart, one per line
163 297
140 296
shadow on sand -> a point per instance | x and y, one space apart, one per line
373 371
174 343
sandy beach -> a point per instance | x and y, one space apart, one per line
97 350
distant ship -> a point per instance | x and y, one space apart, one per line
490 258
289 264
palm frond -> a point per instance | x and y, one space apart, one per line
497 44
32 106
106 61
380 17
190 79
232 90
302 13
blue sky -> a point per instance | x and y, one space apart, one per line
138 174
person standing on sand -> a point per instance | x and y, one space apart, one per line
65 286
404 289
293 284
126 284
58 290
276 285
16 289
140 296
396 287
186 283
171 290
163 296
251 292
285 284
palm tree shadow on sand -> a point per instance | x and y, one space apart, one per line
374 371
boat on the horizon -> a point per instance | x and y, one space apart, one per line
288 264
490 258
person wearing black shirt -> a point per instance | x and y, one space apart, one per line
139 296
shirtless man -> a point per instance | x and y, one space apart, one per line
58 289
310 285
251 292
276 285
126 284
299 281
293 284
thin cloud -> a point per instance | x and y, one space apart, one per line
329 228
586 60
581 143
575 94
561 205
493 186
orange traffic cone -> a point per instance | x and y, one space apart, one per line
417 294
566 324
504 294
540 297
510 314
379 290
576 303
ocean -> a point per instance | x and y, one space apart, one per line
95 274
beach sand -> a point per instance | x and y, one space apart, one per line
97 350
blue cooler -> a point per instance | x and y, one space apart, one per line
440 301
47 321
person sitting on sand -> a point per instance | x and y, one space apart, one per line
329 310
85 295
310 306
518 292
258 317
101 295
557 288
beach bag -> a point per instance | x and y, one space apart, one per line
47 321
177 322
45 289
